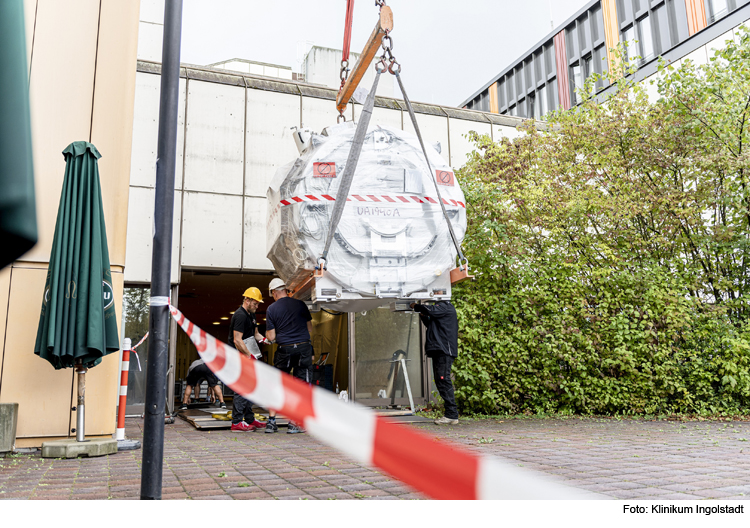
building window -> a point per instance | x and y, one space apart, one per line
501 94
540 103
519 81
538 68
576 83
528 71
596 31
628 36
624 11
599 64
555 95
716 9
645 39
509 83
549 61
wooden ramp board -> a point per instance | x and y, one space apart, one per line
393 412
202 419
409 419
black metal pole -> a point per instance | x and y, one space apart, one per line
161 260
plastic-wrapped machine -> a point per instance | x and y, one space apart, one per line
392 243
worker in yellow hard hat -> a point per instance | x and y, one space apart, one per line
243 332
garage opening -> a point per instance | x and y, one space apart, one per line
210 298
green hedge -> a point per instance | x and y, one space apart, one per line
611 252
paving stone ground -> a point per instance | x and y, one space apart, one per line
620 459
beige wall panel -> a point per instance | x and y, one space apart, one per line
212 231
43 393
433 128
150 38
112 124
214 140
152 11
64 42
460 145
320 113
29 16
146 131
650 84
269 141
141 235
4 297
719 43
698 56
382 116
501 131
254 257
103 381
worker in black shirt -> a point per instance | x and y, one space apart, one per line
441 344
289 323
242 327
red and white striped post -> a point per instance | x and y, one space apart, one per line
124 444
120 433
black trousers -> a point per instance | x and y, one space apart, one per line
242 409
441 370
296 360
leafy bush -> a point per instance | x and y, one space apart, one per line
611 253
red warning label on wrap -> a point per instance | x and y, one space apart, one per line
444 177
324 169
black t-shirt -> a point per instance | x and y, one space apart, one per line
289 318
441 322
242 321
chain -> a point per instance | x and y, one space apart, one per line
379 3
387 59
344 75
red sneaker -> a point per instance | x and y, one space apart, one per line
243 427
258 424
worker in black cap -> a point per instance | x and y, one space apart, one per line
441 345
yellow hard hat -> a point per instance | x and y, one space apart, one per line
253 293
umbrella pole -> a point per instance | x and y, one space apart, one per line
81 407
161 260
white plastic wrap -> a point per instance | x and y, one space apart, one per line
392 241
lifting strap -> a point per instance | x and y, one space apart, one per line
462 261
348 29
351 166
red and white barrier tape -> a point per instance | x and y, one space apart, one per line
140 342
428 464
378 198
132 349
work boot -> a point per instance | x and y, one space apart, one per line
242 427
446 421
293 428
271 427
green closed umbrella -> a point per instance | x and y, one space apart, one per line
77 325
18 232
